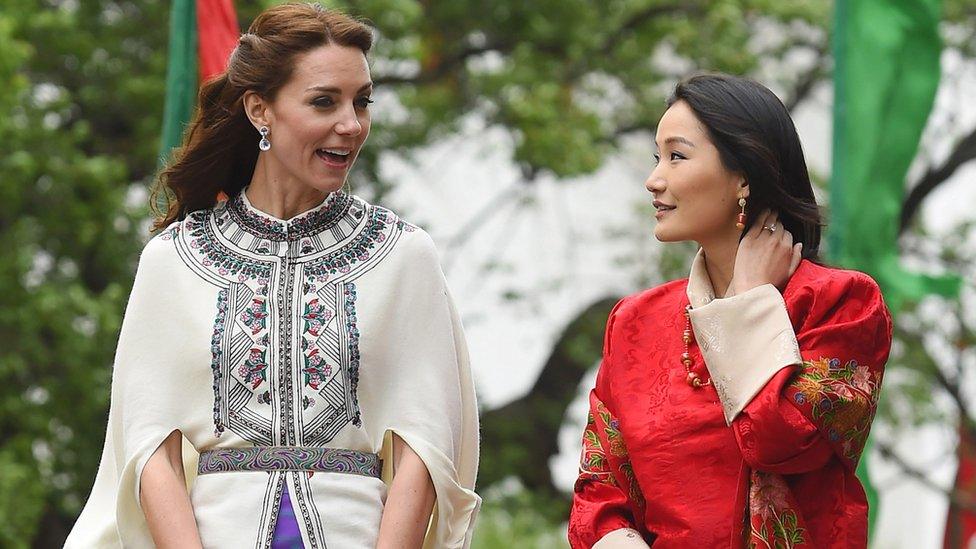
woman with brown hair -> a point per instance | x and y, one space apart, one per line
302 340
732 406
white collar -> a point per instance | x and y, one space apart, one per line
700 292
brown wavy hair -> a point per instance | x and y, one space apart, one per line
219 149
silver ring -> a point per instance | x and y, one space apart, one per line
771 228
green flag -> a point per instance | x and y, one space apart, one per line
181 75
886 74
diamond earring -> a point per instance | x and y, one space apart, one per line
265 143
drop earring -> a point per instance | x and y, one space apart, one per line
740 222
265 143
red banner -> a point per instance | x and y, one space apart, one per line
217 36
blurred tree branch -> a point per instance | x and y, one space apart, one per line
446 66
963 152
934 356
807 81
524 433
958 498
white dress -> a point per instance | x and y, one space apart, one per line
332 329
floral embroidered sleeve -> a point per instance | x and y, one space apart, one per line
606 496
823 406
817 410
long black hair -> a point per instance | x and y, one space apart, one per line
755 137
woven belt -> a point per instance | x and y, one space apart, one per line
290 458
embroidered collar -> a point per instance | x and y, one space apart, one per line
700 292
314 221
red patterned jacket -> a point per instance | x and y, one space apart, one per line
661 457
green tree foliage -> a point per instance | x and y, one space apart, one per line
77 123
567 78
80 117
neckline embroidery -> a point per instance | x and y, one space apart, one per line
317 220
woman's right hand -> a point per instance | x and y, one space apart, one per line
764 256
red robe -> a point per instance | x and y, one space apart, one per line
660 457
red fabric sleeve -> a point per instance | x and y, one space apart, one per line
606 491
606 496
810 412
775 437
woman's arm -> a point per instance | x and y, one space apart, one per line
823 406
794 399
608 503
409 503
165 502
605 498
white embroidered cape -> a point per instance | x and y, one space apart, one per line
332 329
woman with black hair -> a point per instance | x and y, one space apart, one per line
731 407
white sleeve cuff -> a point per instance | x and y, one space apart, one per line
745 339
624 538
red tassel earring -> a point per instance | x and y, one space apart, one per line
740 222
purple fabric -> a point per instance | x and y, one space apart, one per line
286 533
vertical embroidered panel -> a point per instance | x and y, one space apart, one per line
216 349
241 342
270 510
352 338
330 350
